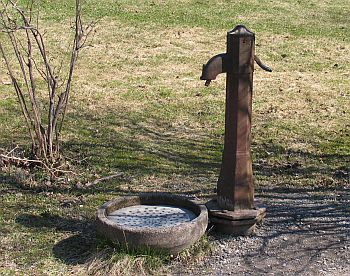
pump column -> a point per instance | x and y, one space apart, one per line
233 211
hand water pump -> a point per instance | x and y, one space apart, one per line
234 211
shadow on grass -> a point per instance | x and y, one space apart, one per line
84 246
76 249
299 164
144 148
119 137
11 180
139 146
301 224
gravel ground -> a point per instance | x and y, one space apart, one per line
305 232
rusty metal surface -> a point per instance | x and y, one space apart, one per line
215 210
235 184
215 66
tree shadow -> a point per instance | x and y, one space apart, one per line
302 225
76 249
140 146
301 164
146 148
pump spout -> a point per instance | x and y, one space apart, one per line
215 66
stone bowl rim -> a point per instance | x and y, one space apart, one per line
198 209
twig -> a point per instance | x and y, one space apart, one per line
63 171
11 151
103 179
24 160
21 100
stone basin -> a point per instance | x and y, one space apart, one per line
160 221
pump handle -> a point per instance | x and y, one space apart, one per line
262 65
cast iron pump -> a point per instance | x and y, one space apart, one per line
234 211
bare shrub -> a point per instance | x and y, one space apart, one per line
33 73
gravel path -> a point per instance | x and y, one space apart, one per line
306 232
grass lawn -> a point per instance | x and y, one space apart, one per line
138 107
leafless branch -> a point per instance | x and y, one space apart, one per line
24 160
118 174
20 97
29 48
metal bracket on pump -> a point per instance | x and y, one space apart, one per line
234 210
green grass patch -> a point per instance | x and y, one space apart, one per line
304 18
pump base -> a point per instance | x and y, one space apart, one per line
239 223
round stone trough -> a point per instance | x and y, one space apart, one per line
160 221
